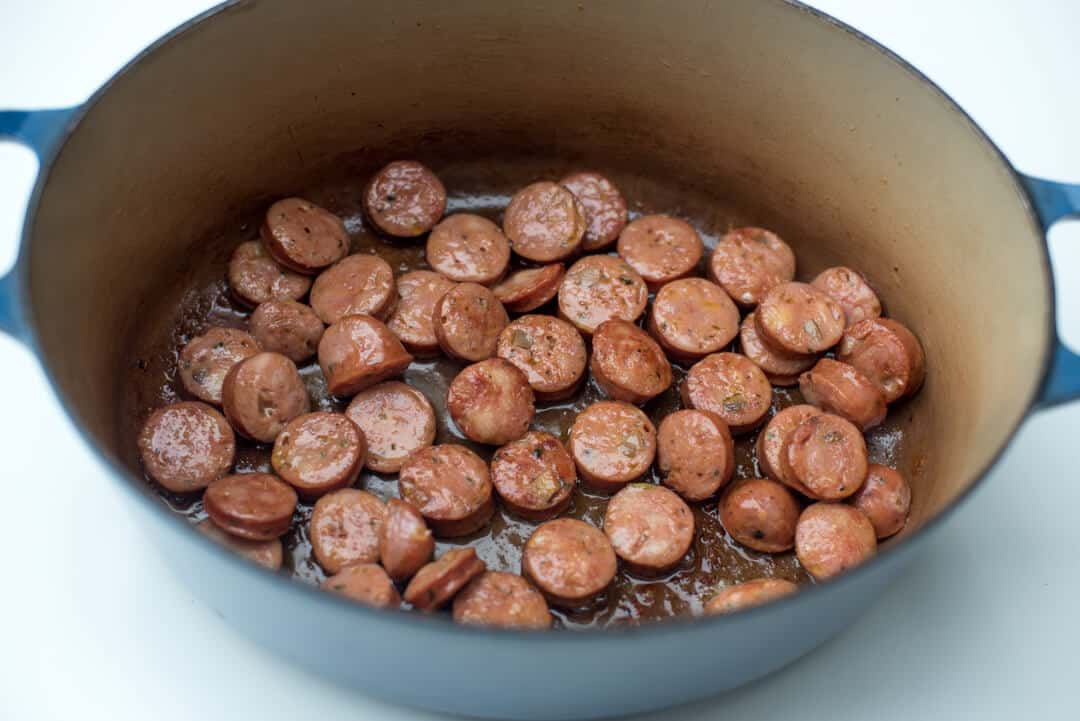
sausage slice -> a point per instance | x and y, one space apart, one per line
885 498
730 386
319 452
186 446
691 318
781 367
526 290
287 327
612 444
505 600
850 289
254 277
263 393
356 284
491 402
799 318
599 288
604 206
451 488
838 388
468 320
887 353
695 453
359 351
406 543
365 583
396 420
534 476
413 319
748 594
748 262
627 363
346 529
760 514
549 351
660 248
544 222
268 554
827 454
649 527
255 506
468 248
772 444
302 236
831 538
405 199
437 582
208 358
570 561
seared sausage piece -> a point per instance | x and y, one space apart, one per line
413 319
649 527
599 288
850 289
451 488
208 358
570 561
838 388
831 538
748 594
346 528
549 351
760 514
491 402
405 199
827 454
612 444
534 476
781 367
302 236
544 222
267 554
885 498
359 351
468 320
356 284
695 453
799 318
748 262
365 583
437 582
692 318
730 386
505 600
526 290
605 209
185 446
468 248
254 277
255 506
396 420
319 452
772 445
627 363
660 248
406 543
263 393
887 353
287 327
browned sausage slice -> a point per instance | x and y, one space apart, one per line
396 420
469 249
748 262
287 327
468 320
838 388
649 527
268 554
799 318
772 444
365 583
256 506
599 288
346 529
832 538
885 498
413 319
570 561
185 446
695 453
627 363
302 236
760 514
851 290
208 358
263 393
827 454
549 351
748 594
660 248
612 444
534 476
887 353
356 284
451 488
491 402
359 351
781 367
526 290
405 199
505 600
406 543
254 277
605 209
692 318
437 582
730 386
544 222
319 452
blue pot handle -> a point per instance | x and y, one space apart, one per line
1054 201
39 130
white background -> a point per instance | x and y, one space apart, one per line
985 626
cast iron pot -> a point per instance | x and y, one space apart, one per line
800 120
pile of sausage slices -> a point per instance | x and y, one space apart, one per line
819 494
